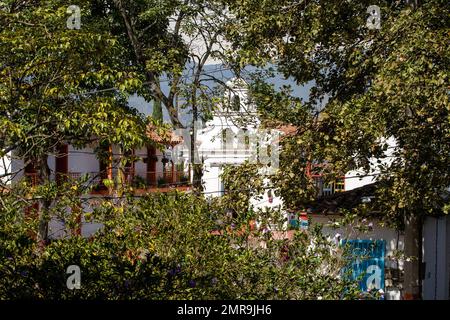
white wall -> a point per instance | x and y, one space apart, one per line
394 241
358 178
82 160
58 229
5 168
139 166
211 180
352 181
436 255
276 203
89 228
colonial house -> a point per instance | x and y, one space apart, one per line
231 138
149 167
149 170
222 141
5 169
385 268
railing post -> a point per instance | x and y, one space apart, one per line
174 178
110 163
109 170
62 163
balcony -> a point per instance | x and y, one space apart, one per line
317 172
140 181
32 178
327 189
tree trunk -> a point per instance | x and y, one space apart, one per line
197 168
44 204
151 77
413 252
413 242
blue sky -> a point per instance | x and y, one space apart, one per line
219 71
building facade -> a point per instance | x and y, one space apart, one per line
232 137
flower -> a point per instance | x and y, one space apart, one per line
175 270
214 281
192 283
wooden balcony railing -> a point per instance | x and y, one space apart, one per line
137 179
316 172
32 178
326 189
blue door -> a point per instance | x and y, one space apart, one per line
367 259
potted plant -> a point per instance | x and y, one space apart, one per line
162 182
184 179
139 182
150 158
165 160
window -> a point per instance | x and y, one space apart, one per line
236 103
339 185
243 139
227 139
250 99
326 189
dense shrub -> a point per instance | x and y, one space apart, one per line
164 246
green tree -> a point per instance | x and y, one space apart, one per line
372 84
163 246
60 85
242 184
188 35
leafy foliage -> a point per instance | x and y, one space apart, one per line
242 183
47 82
163 246
367 86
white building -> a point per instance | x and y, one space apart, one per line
150 170
5 169
435 280
230 138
